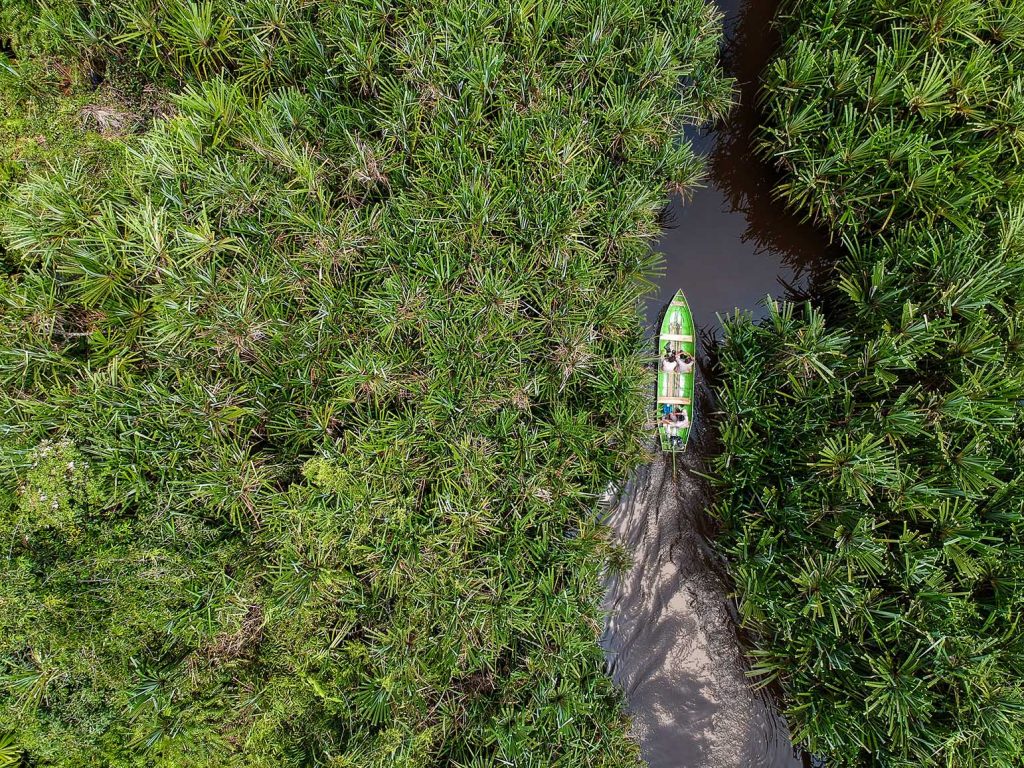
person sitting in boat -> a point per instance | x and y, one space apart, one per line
677 421
681 417
669 362
684 363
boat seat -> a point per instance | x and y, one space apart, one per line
674 400
675 337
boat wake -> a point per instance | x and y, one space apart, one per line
670 638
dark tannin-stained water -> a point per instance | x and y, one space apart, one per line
670 638
732 243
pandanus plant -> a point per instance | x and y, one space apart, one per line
10 752
869 477
878 114
350 344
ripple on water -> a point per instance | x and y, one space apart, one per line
670 639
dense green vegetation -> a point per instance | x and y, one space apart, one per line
886 113
870 476
46 106
32 28
308 390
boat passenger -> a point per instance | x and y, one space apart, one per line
684 364
681 417
675 419
669 362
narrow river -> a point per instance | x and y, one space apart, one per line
670 637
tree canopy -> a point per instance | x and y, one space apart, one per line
883 112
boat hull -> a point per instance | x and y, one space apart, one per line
675 389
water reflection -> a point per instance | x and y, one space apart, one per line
670 638
733 243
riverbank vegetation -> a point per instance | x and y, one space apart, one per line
310 377
870 482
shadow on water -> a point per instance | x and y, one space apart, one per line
671 637
733 243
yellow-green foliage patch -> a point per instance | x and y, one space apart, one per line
351 346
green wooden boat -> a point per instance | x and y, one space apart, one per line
675 389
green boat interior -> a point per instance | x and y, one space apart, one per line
675 387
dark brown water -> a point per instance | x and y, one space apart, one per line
732 243
670 638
